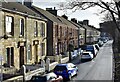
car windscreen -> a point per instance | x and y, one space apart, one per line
60 68
85 53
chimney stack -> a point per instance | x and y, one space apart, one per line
74 20
80 22
64 16
86 22
28 3
52 11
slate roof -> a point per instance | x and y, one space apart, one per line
17 7
78 25
67 22
47 14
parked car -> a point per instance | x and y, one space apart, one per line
67 71
87 55
100 43
80 51
50 77
74 54
92 49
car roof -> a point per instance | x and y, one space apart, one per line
71 64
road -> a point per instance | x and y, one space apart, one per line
100 68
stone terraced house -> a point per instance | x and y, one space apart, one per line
59 33
24 33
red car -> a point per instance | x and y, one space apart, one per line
50 77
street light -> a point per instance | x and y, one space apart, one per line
70 48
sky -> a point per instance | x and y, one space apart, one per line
80 15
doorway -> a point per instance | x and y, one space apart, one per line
21 56
36 53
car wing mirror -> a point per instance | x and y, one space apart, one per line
74 66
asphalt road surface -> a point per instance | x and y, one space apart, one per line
100 68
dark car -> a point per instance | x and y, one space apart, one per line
50 77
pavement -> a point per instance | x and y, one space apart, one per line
100 68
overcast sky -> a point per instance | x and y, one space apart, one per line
79 14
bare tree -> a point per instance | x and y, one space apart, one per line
112 7
107 17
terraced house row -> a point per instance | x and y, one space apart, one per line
30 34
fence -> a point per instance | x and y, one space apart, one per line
48 66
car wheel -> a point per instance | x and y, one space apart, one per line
76 73
90 59
61 81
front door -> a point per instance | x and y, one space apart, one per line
36 53
21 56
12 56
8 56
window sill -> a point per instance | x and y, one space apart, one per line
8 36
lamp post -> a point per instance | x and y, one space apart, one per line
70 48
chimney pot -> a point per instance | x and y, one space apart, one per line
54 8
